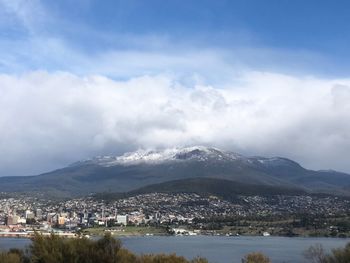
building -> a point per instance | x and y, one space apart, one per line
122 219
61 220
12 220
39 214
29 214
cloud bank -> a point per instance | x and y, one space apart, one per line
49 120
107 92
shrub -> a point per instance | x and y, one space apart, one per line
55 249
256 257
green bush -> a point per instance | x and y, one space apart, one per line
316 254
7 257
256 257
55 249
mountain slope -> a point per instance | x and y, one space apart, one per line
219 187
141 168
225 189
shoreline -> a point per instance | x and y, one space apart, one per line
29 236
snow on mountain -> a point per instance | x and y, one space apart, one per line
275 161
194 153
198 153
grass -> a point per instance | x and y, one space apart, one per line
125 231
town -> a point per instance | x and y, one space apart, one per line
177 213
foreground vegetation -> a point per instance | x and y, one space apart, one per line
55 249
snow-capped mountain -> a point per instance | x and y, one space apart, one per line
208 156
197 153
146 167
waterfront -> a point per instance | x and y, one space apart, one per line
161 213
215 249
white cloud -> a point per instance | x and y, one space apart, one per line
49 120
190 93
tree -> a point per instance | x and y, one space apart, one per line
55 249
7 257
256 257
316 254
340 255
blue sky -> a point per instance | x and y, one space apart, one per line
83 78
304 37
315 25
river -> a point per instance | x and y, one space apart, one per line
216 249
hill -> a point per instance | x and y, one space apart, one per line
222 188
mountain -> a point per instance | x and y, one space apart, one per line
222 188
141 168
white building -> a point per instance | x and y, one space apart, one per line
122 219
29 214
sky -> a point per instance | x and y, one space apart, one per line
85 77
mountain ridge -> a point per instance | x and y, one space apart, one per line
141 168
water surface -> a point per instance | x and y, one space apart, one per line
230 249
